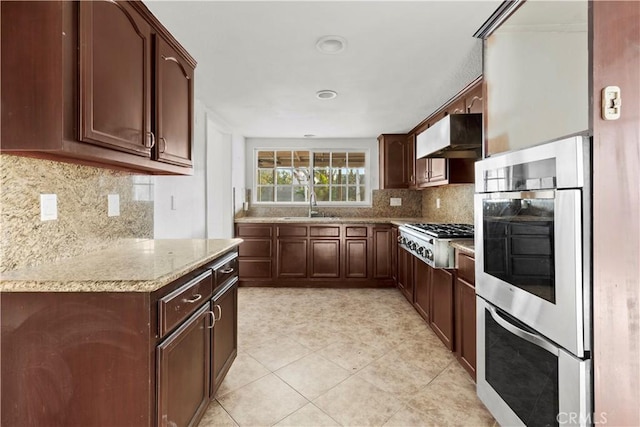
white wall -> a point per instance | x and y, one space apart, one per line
368 144
202 203
219 182
185 219
238 181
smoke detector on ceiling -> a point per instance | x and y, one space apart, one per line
331 44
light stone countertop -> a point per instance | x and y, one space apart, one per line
135 266
464 245
330 220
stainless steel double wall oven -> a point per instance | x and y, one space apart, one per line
533 281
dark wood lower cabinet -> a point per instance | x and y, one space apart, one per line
466 325
324 256
422 282
355 261
183 366
442 305
292 258
118 358
405 273
316 254
225 333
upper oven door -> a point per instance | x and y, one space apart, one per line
529 261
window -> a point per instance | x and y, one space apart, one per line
289 176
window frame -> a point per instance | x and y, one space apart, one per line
312 150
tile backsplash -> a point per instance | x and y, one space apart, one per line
456 203
380 207
82 224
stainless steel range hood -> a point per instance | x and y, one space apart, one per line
455 136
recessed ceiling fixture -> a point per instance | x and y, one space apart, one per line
326 94
331 44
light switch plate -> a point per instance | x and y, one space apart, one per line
48 207
395 201
611 103
113 205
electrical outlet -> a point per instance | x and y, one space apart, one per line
113 205
438 203
395 201
48 207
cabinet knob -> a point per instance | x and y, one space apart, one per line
227 270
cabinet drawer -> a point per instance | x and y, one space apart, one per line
254 231
259 248
356 231
466 268
316 231
292 231
179 304
255 268
224 270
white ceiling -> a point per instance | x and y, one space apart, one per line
258 68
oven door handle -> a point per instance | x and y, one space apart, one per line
521 333
520 195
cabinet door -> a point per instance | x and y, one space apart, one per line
115 77
394 253
422 171
225 333
325 258
465 315
394 152
183 371
382 244
422 281
405 273
355 264
174 111
437 170
292 258
442 305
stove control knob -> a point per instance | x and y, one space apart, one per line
413 246
429 254
422 251
400 239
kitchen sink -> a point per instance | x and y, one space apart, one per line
306 218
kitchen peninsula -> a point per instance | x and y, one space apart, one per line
142 333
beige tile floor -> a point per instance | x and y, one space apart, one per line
331 357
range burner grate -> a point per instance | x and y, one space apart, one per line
444 230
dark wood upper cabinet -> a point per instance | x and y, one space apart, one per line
78 86
174 105
396 161
115 76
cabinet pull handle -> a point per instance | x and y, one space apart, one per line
217 306
213 319
153 140
164 144
457 110
196 297
227 270
474 99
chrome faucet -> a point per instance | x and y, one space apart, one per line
312 203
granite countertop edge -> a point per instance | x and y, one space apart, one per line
329 220
20 280
464 245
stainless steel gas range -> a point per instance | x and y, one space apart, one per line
430 241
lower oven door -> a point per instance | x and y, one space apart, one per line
530 261
524 379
